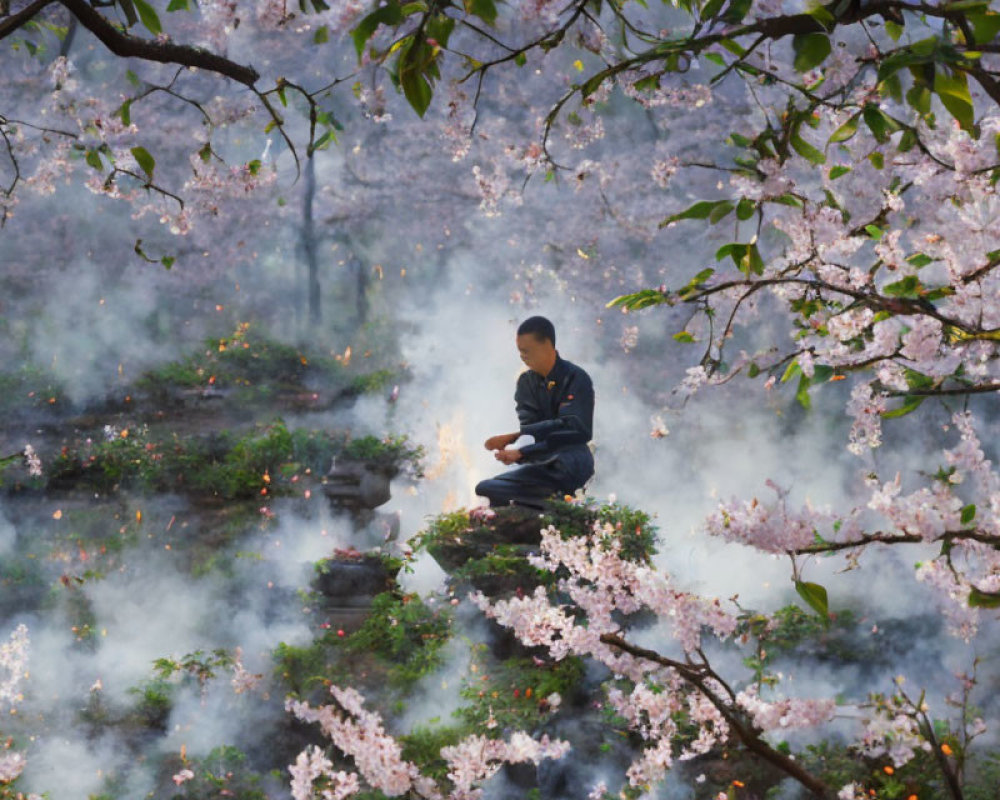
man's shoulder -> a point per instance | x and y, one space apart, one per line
576 372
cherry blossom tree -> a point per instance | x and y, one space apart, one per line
839 166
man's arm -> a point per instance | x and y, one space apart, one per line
501 440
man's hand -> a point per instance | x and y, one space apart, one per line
508 456
500 441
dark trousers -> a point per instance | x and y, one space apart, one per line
529 485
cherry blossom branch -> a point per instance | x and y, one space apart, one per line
128 46
746 732
15 21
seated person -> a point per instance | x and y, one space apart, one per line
555 405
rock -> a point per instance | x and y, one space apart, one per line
355 485
351 579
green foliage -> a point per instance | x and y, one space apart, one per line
154 700
400 642
29 388
223 772
422 745
267 460
405 633
198 665
513 694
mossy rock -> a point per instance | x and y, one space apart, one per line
353 579
455 539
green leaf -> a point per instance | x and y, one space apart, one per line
592 84
745 209
145 161
909 286
893 29
439 29
700 210
205 153
954 93
322 35
520 59
683 336
985 26
486 10
968 513
822 15
178 5
168 261
879 123
720 211
811 50
132 78
93 159
875 232
710 9
847 130
390 14
282 97
149 17
804 149
639 300
979 599
791 371
907 141
324 141
802 393
838 172
416 88
877 159
815 595
919 97
910 403
789 199
736 11
919 260
124 112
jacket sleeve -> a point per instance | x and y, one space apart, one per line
573 424
528 411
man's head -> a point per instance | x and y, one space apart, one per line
536 342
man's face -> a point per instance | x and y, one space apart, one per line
535 353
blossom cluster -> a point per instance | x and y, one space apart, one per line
960 506
361 735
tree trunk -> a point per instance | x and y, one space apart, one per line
309 242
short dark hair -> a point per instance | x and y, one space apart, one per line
539 327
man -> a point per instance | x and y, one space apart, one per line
555 405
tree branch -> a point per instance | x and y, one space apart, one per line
128 46
11 24
746 733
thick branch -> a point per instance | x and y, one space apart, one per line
891 538
128 46
750 737
12 23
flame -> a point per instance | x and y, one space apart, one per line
453 455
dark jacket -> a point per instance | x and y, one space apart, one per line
558 411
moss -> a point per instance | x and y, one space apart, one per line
266 460
256 368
